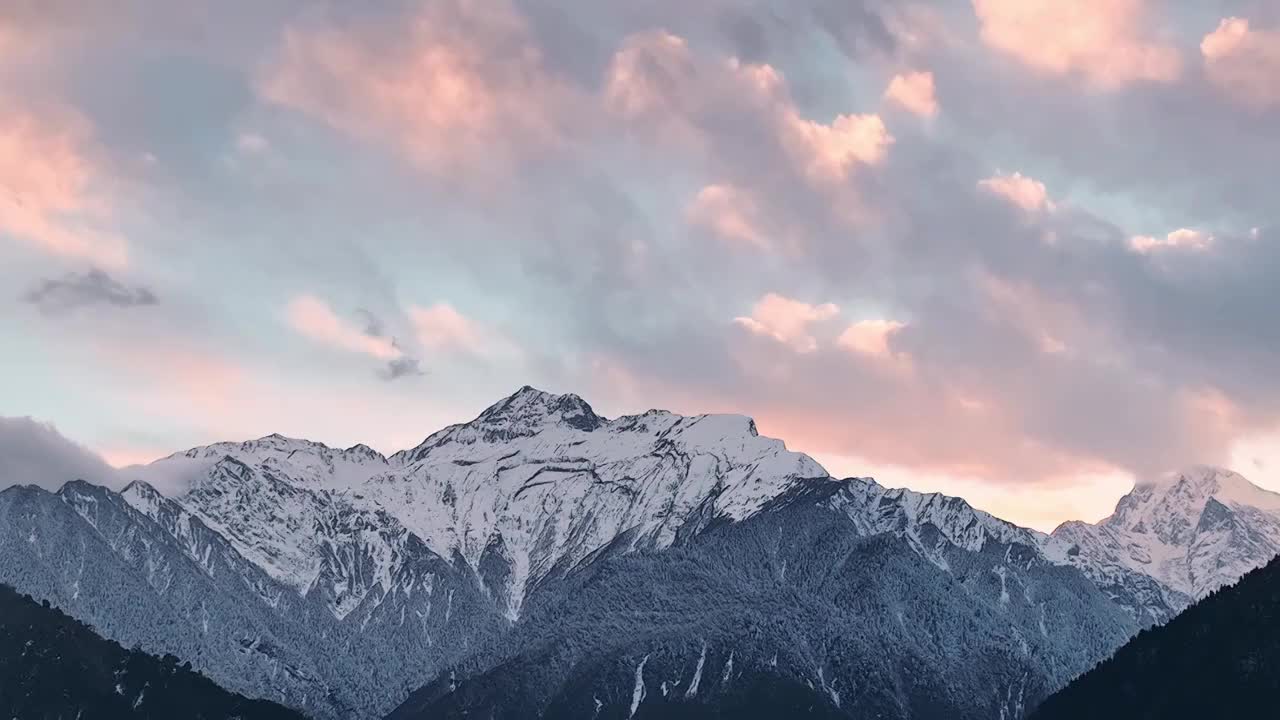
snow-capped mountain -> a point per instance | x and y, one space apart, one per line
365 572
536 482
840 599
1191 532
539 481
337 580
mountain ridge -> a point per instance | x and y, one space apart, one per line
1111 556
397 567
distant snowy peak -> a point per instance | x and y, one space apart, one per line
1185 495
1192 531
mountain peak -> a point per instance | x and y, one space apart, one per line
139 488
1192 530
362 451
1188 491
80 487
1195 475
529 408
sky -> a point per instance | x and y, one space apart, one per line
1023 251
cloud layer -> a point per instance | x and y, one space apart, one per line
35 453
1010 245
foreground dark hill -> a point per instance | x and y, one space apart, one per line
52 666
1217 659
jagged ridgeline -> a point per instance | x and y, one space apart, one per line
1217 659
545 557
52 666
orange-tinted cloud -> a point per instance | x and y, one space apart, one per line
656 78
460 87
913 92
647 72
826 152
1107 42
47 193
831 151
207 396
1027 193
869 337
729 212
441 328
1182 238
786 320
313 318
1244 62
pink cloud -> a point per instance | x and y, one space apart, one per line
869 337
787 321
442 328
826 408
913 92
830 151
647 73
1106 42
460 87
729 212
313 318
824 151
164 377
1045 324
118 457
657 79
1244 62
1182 238
1025 192
205 396
47 187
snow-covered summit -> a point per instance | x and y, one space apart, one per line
1192 531
294 460
540 481
536 482
523 414
1192 487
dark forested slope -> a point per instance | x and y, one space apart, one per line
1219 658
54 667
795 612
